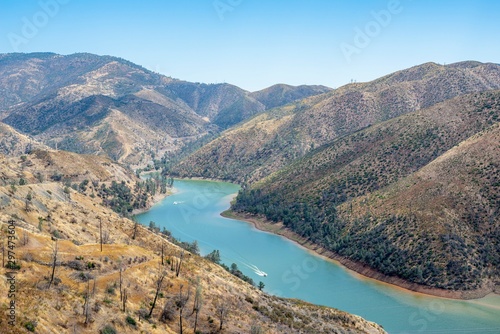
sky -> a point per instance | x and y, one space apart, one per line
255 43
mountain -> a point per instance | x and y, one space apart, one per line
281 94
13 142
57 233
273 139
106 105
414 197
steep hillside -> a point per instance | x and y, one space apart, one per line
222 104
279 95
243 154
73 102
25 76
305 196
65 282
14 143
69 103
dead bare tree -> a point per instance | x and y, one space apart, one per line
86 305
161 276
179 264
222 307
168 312
100 230
181 304
106 238
198 303
124 300
162 249
136 225
121 281
54 261
93 286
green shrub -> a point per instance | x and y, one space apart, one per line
131 321
108 329
30 325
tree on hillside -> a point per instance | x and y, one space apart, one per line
222 307
159 282
181 304
179 264
198 303
136 225
27 202
54 261
214 256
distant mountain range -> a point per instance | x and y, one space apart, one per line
107 105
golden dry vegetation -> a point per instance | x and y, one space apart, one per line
69 221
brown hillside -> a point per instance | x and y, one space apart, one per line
239 155
83 272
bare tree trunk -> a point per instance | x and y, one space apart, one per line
198 302
222 309
87 304
179 264
135 230
159 282
54 260
162 247
183 299
124 304
121 281
100 230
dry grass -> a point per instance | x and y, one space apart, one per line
76 220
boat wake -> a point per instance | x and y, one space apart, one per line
255 269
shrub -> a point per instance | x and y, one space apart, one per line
131 321
13 265
108 329
30 325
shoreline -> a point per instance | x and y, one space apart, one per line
357 268
153 201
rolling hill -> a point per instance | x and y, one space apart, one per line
414 198
109 106
273 139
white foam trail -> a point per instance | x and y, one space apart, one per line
255 269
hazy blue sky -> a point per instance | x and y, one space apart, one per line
254 44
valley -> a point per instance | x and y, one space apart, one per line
397 178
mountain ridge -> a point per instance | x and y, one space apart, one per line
59 99
331 197
244 156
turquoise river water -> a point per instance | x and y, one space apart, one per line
288 270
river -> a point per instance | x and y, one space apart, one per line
288 270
